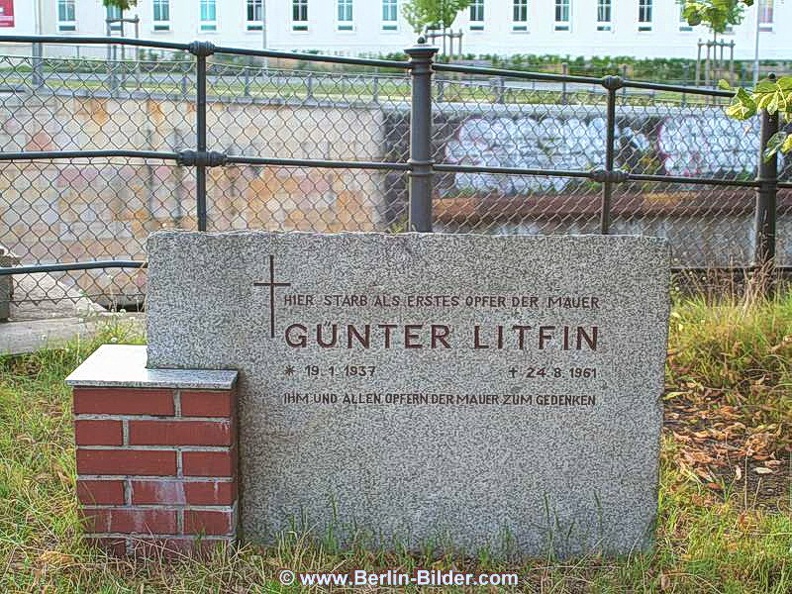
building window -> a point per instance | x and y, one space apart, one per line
161 15
114 14
520 15
344 15
765 14
683 22
477 15
390 15
644 15
604 12
299 15
562 15
208 15
67 20
255 15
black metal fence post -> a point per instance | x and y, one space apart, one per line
500 89
766 197
624 88
421 162
441 85
612 84
565 72
38 65
185 81
201 50
309 86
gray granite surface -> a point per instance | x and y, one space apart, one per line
429 426
123 365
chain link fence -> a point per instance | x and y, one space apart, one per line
98 153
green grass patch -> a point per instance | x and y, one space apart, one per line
715 535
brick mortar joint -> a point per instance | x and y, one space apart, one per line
154 536
109 390
177 507
156 479
205 387
158 448
166 418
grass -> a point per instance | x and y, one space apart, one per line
730 357
727 364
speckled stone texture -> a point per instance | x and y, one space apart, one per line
429 447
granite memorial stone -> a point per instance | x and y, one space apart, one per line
469 392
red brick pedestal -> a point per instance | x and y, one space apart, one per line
156 453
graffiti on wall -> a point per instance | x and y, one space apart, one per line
682 146
708 145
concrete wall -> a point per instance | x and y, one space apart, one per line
104 209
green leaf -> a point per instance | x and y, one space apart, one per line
777 141
724 85
765 86
740 112
743 95
785 83
743 105
772 105
787 145
763 101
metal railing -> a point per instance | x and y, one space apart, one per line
414 145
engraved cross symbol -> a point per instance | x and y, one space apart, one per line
272 285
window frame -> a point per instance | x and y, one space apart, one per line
114 12
605 24
67 25
645 15
476 15
345 15
765 14
207 25
520 16
684 26
390 24
254 24
300 11
160 24
561 7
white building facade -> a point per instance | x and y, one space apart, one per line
639 28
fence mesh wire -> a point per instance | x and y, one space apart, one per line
80 209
